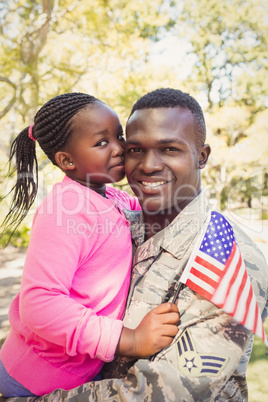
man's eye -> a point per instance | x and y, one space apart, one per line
132 150
172 149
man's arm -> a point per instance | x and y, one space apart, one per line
195 367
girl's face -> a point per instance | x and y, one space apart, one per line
96 149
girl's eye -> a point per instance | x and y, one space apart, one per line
101 143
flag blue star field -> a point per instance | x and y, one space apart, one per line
217 272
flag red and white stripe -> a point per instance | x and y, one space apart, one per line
217 272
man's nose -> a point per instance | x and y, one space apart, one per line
151 162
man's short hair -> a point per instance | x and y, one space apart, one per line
172 98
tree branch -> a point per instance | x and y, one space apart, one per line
12 101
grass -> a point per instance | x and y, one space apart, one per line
257 373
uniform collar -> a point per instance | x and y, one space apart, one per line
136 226
176 237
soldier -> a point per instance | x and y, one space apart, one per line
207 360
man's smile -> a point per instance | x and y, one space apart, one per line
151 185
156 184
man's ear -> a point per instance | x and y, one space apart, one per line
204 153
64 161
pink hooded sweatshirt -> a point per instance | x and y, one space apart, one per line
66 319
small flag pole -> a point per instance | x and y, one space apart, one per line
178 289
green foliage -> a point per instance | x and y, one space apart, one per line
228 42
57 46
228 65
20 238
243 193
257 370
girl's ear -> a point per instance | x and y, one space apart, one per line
204 153
64 161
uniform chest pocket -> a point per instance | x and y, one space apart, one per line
152 288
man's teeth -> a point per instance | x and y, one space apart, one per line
153 185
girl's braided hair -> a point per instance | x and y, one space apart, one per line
52 129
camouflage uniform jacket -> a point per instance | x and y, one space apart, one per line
208 358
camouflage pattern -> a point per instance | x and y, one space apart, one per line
208 358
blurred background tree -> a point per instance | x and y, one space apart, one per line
228 48
119 50
50 47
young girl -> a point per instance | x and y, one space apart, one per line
66 320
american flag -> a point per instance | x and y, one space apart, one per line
217 272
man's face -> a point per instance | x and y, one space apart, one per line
162 160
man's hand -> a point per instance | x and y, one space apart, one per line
156 331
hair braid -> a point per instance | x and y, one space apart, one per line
53 122
25 188
52 129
